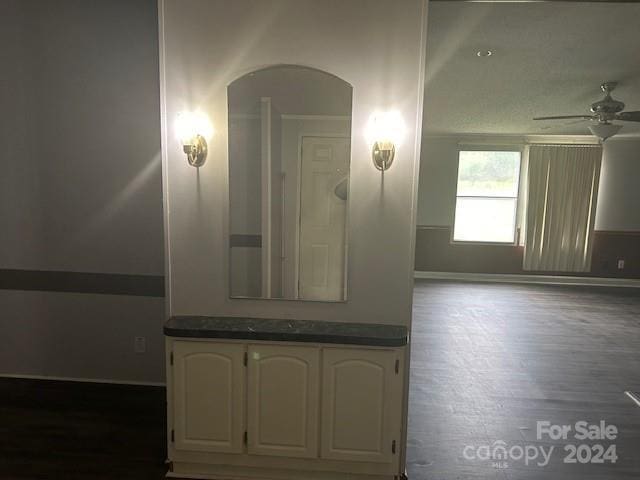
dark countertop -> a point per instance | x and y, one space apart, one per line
286 330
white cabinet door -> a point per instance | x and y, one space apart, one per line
208 400
283 400
360 405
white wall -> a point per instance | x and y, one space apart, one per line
376 46
80 183
618 206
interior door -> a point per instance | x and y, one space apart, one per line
209 395
324 164
283 400
360 405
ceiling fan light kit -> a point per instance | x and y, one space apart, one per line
604 130
603 112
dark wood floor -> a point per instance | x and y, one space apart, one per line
68 430
488 362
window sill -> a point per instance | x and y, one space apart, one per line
479 242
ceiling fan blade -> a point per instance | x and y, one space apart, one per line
563 124
628 116
562 117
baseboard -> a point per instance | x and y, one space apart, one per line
531 279
283 471
83 380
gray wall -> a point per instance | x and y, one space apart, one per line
437 183
618 198
617 223
619 195
80 185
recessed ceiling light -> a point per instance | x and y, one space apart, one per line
484 53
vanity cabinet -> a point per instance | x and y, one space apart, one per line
359 404
283 399
267 406
208 396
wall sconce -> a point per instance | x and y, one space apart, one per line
193 130
385 131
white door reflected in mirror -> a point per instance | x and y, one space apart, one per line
289 155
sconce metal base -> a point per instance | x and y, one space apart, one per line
196 151
383 154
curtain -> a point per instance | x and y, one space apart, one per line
563 187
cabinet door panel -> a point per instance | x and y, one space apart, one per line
360 411
283 400
208 396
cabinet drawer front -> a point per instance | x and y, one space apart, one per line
208 396
283 400
359 405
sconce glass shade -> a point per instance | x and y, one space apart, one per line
384 132
605 130
193 129
190 124
385 127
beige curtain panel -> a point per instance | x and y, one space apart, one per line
563 187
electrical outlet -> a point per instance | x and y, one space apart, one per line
621 264
140 344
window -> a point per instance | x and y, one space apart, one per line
487 196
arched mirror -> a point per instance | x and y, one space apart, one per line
289 154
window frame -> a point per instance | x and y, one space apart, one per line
519 213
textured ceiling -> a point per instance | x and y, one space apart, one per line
548 59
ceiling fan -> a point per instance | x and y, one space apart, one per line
603 112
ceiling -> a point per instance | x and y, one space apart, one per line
548 59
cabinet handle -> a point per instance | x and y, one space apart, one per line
393 447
